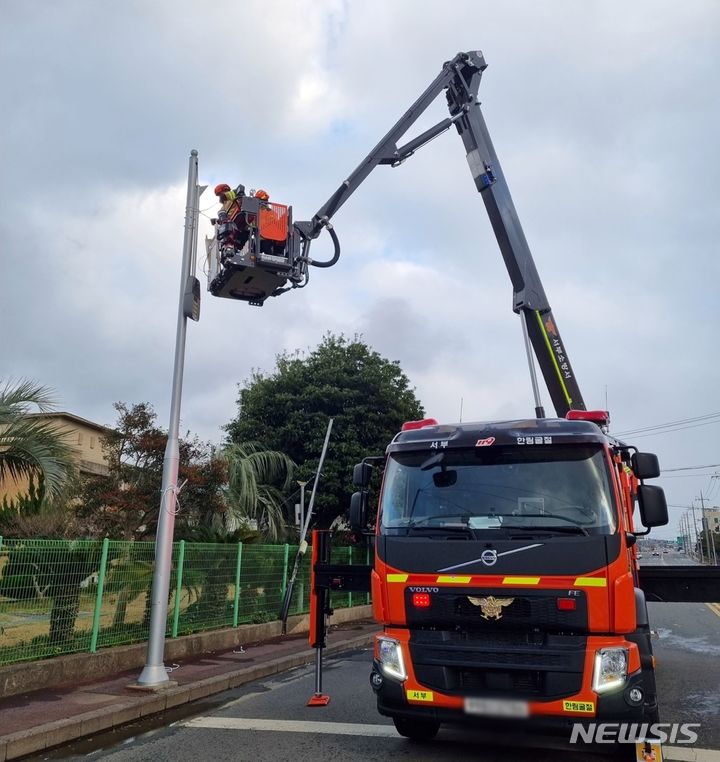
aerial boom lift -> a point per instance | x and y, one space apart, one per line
460 80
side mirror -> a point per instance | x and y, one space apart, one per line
358 511
653 506
645 465
361 475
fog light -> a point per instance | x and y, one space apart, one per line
391 659
635 696
610 669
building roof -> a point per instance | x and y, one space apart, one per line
74 418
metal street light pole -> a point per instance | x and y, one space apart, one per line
154 672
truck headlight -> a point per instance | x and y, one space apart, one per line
391 658
610 669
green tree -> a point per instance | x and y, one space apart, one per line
368 396
31 446
126 503
257 479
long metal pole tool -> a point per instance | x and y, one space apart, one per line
302 548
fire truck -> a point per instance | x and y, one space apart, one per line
505 577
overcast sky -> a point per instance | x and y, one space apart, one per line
605 116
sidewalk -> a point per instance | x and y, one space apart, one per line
32 722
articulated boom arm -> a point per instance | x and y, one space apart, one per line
460 79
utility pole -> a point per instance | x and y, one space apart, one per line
711 554
154 672
697 537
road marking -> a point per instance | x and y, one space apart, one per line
714 607
292 726
672 753
688 754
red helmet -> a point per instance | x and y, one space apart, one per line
263 195
222 188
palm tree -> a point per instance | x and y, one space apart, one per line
257 480
30 446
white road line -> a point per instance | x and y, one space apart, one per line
292 726
670 753
689 754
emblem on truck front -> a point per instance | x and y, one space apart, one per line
491 606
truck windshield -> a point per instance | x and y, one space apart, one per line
563 488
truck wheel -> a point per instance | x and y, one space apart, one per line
416 730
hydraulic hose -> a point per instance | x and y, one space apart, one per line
336 254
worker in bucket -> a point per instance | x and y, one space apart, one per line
230 221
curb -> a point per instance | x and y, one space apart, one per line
52 734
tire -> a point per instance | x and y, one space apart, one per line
416 730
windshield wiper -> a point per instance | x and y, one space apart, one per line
422 524
574 529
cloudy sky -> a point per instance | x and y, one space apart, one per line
605 116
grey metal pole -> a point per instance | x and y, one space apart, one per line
712 557
539 410
154 672
698 541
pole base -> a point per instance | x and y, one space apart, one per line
153 675
319 699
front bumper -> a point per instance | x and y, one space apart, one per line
392 701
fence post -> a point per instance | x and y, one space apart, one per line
367 562
236 602
178 588
99 595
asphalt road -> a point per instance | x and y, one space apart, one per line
268 720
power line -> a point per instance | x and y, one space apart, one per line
666 431
691 468
670 423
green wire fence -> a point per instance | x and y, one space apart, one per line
65 596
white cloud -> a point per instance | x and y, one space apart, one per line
605 131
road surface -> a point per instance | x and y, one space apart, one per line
268 720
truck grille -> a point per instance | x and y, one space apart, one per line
529 666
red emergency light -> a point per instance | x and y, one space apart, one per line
421 600
601 417
410 425
566 604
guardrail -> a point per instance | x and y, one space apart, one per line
66 596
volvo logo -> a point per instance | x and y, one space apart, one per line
489 557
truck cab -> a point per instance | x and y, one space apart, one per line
505 575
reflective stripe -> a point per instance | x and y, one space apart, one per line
453 578
590 582
397 577
521 580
